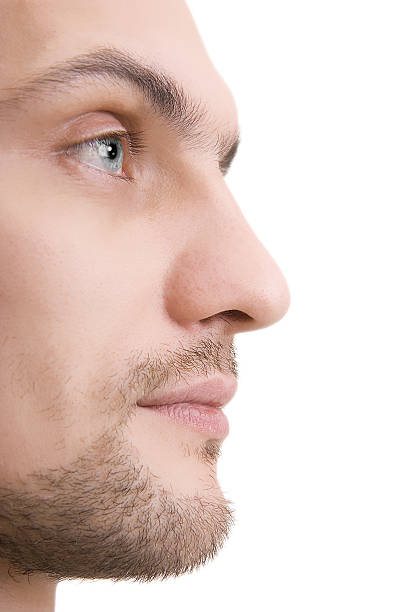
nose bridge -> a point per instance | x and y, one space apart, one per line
221 266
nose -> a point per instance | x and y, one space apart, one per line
221 268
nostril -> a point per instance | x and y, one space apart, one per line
234 316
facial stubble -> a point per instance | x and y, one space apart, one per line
106 515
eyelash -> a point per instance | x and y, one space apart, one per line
135 145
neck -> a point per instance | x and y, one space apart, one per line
25 593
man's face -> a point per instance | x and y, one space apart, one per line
119 278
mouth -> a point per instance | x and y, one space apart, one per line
196 406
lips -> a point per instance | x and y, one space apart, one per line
214 392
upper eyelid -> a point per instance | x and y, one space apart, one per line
133 139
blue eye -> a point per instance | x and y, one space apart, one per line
105 153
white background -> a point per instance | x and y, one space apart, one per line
316 461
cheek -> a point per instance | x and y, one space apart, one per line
77 296
72 270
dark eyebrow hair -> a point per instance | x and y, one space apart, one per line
188 117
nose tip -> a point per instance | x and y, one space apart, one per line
262 292
224 268
273 303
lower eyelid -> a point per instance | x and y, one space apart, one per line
97 172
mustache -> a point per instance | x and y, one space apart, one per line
159 369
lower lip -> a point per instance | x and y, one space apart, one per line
204 419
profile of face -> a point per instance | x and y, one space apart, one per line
126 269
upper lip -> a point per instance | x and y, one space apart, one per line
214 392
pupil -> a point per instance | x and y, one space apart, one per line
112 151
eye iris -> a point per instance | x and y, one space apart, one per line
112 151
105 153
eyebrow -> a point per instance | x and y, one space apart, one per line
189 118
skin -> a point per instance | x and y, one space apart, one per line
109 290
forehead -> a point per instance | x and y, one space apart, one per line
39 33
